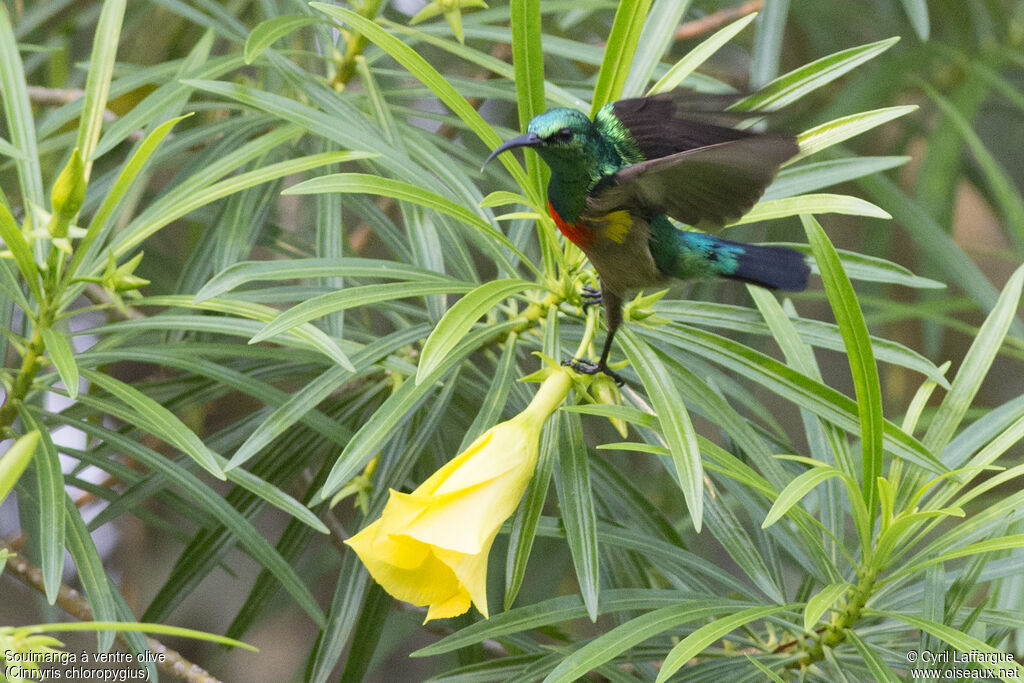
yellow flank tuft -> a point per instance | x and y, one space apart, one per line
619 223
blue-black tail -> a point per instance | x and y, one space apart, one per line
700 255
772 267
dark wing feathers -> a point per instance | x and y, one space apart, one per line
714 184
677 121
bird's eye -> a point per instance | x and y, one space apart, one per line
564 135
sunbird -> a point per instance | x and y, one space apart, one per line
617 179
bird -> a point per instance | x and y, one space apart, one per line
617 179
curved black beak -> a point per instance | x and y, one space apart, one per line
527 140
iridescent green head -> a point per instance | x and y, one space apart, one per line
561 137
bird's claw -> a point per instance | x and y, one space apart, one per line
586 367
591 295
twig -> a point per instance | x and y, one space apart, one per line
697 27
59 96
72 602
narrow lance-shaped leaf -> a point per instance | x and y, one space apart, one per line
618 53
18 114
976 364
577 504
15 460
458 320
694 643
674 420
21 251
797 83
97 82
656 38
158 420
866 383
429 76
58 348
528 62
698 55
50 486
811 203
266 33
833 132
363 183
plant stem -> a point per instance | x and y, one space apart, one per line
356 43
835 632
31 362
72 602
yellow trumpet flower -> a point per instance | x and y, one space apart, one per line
430 547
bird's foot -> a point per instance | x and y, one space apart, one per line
591 295
587 367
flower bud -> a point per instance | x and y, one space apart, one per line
67 196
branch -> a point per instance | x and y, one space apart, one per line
692 29
72 602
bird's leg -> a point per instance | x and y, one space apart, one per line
613 318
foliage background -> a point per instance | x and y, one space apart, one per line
242 557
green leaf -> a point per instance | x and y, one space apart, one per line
797 83
833 132
429 76
52 522
58 348
266 33
136 627
21 250
528 63
700 54
245 272
623 637
341 619
158 420
917 12
655 40
811 203
821 602
1004 187
576 501
795 492
182 201
302 404
396 408
97 82
15 460
805 392
879 670
528 514
352 297
203 498
458 320
618 52
976 364
362 183
704 636
91 574
958 639
935 243
676 427
866 383
808 177
987 546
767 48
18 115
131 170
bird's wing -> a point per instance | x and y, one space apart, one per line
714 184
668 123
